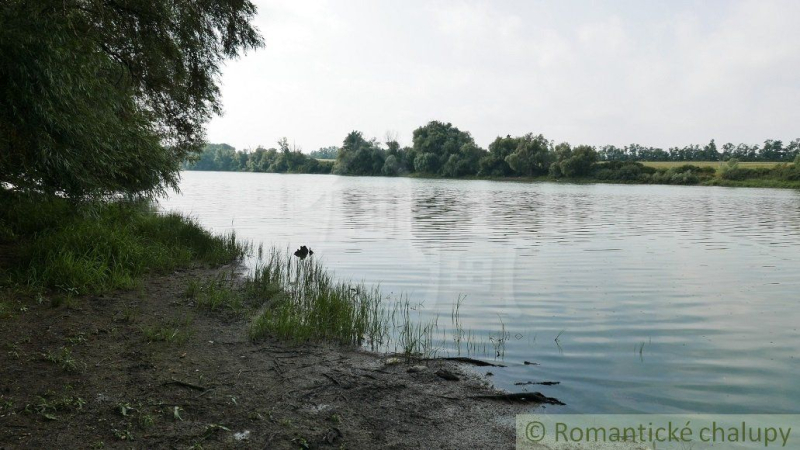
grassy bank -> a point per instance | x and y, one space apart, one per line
715 164
76 248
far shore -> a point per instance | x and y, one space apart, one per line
715 181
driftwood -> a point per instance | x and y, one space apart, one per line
447 375
521 397
543 383
185 384
462 359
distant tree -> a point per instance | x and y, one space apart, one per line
359 156
325 153
773 151
426 163
562 151
391 167
494 163
261 159
463 163
727 151
793 150
532 156
710 152
435 143
223 157
613 153
392 147
578 162
208 159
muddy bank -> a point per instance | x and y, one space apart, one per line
147 369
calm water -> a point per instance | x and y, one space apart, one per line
667 299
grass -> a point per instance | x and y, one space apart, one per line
79 248
216 294
129 314
755 183
411 337
63 358
716 164
305 303
175 331
49 404
5 310
312 306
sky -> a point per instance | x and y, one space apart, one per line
660 73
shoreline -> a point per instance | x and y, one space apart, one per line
147 367
713 182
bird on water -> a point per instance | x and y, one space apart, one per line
303 252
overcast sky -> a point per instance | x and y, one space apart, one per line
662 73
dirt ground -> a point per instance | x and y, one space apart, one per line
147 369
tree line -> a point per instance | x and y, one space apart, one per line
284 159
771 151
441 149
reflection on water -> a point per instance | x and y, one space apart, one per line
668 299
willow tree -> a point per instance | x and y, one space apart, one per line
532 156
109 96
435 143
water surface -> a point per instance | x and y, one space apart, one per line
664 299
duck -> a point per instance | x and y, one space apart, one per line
303 252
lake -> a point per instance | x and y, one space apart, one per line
663 299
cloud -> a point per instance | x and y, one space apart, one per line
658 74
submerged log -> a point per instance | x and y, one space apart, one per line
462 359
447 375
521 397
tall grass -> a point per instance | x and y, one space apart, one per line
100 246
410 336
311 305
303 302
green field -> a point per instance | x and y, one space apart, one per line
668 164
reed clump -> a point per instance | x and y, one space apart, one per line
307 304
